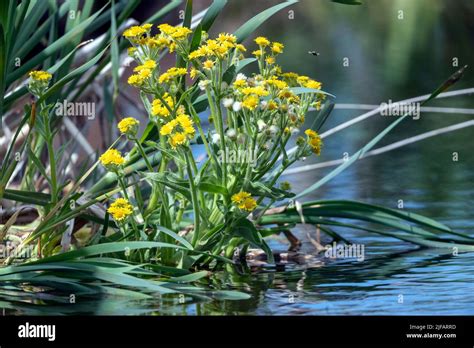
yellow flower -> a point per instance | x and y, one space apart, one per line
184 121
120 209
196 54
147 26
193 74
270 60
310 133
166 28
277 47
287 94
249 204
262 41
148 65
250 102
128 126
208 64
39 75
134 32
271 105
240 83
177 139
243 200
181 33
167 128
302 80
240 48
135 80
138 79
171 73
225 37
290 75
277 83
258 90
314 141
313 84
112 159
257 53
317 105
240 197
180 130
176 33
160 109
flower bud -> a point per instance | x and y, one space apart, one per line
227 102
237 106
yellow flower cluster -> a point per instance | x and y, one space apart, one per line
305 81
263 43
179 130
170 74
128 126
160 109
258 90
278 84
120 209
143 72
243 200
175 33
39 75
250 102
314 141
112 159
217 48
136 32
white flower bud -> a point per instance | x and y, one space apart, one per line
240 76
227 102
237 106
261 125
273 130
203 84
216 138
231 133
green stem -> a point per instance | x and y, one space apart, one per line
193 196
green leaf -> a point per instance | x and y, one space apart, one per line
246 230
252 24
114 50
213 188
73 74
